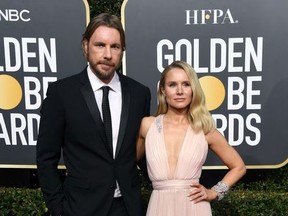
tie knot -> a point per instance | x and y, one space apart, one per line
105 90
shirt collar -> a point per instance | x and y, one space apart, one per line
96 83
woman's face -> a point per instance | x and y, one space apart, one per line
177 89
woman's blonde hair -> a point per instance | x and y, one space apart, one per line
198 114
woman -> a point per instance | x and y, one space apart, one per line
176 143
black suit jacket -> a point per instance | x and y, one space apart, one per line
71 122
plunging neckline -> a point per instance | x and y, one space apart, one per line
170 174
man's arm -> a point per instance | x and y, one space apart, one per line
48 150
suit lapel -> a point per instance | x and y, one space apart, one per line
89 97
124 113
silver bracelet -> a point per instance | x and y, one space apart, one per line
221 189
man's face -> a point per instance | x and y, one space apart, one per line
104 52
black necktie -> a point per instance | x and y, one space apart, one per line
107 115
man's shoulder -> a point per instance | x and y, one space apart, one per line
69 80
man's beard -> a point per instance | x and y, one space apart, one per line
104 75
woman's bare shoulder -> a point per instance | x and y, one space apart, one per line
146 122
148 119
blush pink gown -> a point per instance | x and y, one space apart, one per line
170 190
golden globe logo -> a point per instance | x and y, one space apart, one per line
10 92
214 91
28 66
241 90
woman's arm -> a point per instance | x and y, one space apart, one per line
229 156
140 144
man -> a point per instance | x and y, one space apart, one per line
102 177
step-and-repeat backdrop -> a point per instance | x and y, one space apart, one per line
40 42
239 50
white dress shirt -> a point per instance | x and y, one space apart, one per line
115 102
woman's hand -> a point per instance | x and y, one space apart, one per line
199 193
